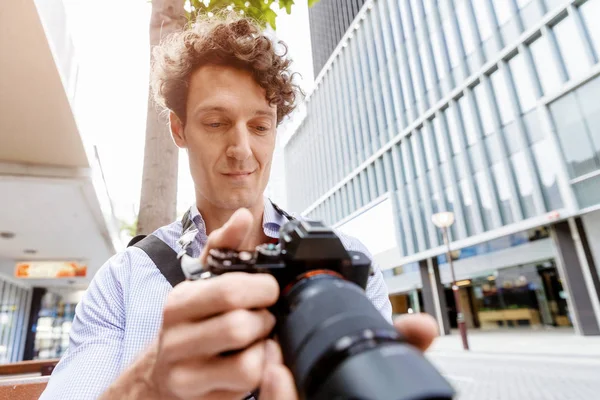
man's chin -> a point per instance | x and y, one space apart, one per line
241 201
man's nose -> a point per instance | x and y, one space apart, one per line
239 143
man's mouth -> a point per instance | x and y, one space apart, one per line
238 174
242 173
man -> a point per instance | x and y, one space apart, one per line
136 337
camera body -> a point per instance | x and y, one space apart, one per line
335 342
306 250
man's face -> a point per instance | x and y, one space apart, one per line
230 136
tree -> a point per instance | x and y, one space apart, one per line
158 199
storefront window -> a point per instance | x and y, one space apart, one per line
53 327
530 295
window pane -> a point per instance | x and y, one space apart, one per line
545 65
524 86
453 130
452 44
590 12
574 139
492 146
459 167
502 9
511 138
468 121
588 96
503 188
428 148
502 97
485 29
427 72
522 3
571 47
520 169
534 129
483 190
484 109
451 202
446 178
467 200
379 172
531 12
476 160
587 192
438 54
439 140
548 171
465 27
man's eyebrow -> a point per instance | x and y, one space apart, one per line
201 109
269 113
209 108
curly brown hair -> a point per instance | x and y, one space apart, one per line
224 40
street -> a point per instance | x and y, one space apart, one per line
485 376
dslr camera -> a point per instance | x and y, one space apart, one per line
335 342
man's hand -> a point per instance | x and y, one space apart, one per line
278 383
213 340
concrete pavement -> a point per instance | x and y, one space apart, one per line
552 342
530 377
521 365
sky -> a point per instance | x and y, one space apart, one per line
111 41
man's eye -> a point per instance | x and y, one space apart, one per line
214 125
262 128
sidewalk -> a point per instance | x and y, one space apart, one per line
543 342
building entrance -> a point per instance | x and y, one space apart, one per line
407 303
528 295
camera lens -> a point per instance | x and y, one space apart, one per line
339 346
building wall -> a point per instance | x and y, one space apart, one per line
329 20
484 108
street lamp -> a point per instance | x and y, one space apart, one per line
444 220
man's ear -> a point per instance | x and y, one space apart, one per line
177 133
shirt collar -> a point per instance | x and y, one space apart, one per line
272 221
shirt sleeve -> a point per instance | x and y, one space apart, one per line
93 360
377 290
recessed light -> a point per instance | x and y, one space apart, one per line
30 251
7 235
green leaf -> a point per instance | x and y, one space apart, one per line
287 4
260 10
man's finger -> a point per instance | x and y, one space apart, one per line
239 373
231 235
234 330
197 300
418 329
278 384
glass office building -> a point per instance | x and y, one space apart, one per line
486 108
329 20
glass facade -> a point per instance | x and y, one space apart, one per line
14 312
486 108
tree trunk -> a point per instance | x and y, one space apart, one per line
158 199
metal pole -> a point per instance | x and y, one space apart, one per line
460 318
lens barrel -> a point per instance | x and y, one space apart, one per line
339 346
